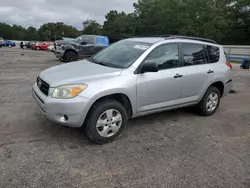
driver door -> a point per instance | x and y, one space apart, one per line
87 46
156 90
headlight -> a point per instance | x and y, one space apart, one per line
68 91
61 47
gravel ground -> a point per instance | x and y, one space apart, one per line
170 149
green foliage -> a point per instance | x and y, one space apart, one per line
226 21
54 31
91 27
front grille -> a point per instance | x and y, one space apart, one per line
43 86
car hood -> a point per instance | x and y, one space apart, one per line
60 42
76 73
64 42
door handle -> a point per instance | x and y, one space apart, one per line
178 76
210 71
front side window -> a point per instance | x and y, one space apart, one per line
193 54
79 39
166 56
121 54
88 40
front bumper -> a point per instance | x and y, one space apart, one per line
56 110
59 53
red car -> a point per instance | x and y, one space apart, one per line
42 45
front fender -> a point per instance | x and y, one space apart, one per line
123 91
70 47
104 94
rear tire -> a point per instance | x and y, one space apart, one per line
38 48
112 118
210 102
70 56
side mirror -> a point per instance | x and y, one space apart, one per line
149 67
83 43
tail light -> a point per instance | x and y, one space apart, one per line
229 65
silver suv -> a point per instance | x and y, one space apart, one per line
131 78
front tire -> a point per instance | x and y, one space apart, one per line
106 121
210 102
37 48
70 56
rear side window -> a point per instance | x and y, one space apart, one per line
213 53
193 54
103 41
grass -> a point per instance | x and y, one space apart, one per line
236 62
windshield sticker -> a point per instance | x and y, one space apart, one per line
141 47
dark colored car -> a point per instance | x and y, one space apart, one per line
10 43
23 45
29 44
82 47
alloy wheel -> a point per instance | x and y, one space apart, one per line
109 123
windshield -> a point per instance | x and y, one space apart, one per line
121 54
78 39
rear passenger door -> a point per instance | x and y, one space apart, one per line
195 71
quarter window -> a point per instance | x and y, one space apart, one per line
213 53
193 54
166 56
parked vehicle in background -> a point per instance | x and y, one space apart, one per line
29 44
51 48
82 47
42 45
9 43
64 40
23 45
67 38
1 42
134 77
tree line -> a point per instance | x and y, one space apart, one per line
226 21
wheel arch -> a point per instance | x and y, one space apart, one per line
120 97
216 83
70 50
219 85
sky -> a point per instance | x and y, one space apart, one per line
71 12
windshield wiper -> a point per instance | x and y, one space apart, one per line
97 62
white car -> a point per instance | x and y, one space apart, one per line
51 48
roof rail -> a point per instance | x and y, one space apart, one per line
191 38
162 36
178 37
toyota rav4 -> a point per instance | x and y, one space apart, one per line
134 77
